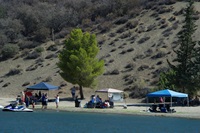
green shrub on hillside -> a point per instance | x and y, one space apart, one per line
28 44
37 20
41 35
39 49
3 39
9 51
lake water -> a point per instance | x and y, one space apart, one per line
74 122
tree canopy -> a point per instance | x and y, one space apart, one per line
78 62
184 73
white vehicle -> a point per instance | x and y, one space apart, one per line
14 108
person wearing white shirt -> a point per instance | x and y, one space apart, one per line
57 100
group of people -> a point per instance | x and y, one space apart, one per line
28 99
97 102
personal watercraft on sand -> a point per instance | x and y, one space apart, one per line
14 108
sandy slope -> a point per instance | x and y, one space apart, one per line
49 68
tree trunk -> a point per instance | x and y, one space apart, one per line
81 92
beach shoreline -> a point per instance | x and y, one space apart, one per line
132 109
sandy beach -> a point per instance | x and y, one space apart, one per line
132 109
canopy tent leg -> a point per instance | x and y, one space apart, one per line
171 103
147 101
164 101
124 99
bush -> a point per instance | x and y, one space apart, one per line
132 25
52 48
14 72
26 83
51 56
61 34
139 92
6 84
41 35
9 51
121 21
144 39
115 72
32 67
143 67
28 45
130 65
104 27
121 30
125 35
39 49
161 53
3 39
33 55
48 79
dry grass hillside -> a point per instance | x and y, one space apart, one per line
134 49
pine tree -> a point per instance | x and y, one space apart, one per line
185 71
78 61
196 69
166 80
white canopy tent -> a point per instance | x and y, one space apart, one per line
117 95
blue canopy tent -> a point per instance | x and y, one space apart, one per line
168 93
42 86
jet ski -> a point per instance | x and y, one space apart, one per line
14 108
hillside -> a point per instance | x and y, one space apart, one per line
134 48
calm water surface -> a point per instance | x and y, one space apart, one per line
74 122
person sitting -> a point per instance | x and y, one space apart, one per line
77 102
92 102
98 99
169 109
15 104
98 102
153 108
107 103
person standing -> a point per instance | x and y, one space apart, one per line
27 101
161 100
73 92
22 98
33 101
111 100
39 95
45 101
57 100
